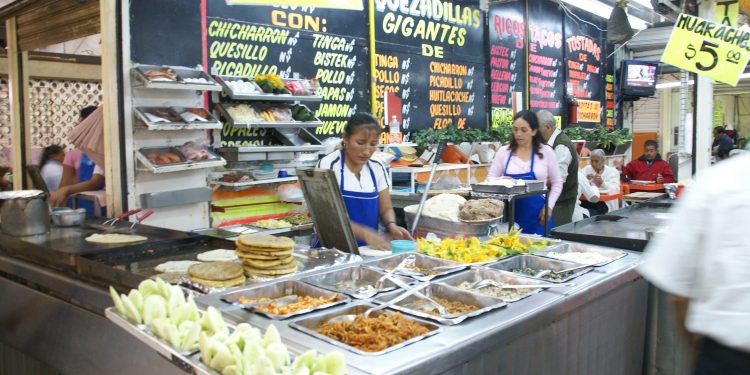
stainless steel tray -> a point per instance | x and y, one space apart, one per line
223 80
422 261
481 273
498 189
566 247
293 124
539 264
309 324
535 185
444 228
484 303
179 84
176 150
362 276
144 334
285 288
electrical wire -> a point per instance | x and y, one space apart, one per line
572 15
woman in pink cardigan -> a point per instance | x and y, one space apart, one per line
528 158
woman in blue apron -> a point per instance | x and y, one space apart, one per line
528 158
363 183
88 179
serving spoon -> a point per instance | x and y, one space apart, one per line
488 282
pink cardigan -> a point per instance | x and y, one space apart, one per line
544 169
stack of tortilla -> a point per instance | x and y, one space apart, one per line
266 255
216 274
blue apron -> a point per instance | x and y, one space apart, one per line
527 209
85 173
362 208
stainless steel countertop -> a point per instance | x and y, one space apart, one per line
459 343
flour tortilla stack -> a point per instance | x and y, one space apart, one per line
266 255
217 274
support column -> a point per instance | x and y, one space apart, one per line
703 123
111 106
18 88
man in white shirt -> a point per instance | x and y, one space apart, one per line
567 161
703 261
604 177
590 192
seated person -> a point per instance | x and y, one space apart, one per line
5 182
94 181
649 167
604 177
591 193
51 168
722 143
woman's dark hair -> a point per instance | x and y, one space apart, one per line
86 111
362 120
48 153
537 141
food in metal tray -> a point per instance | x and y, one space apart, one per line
559 277
452 307
165 157
507 182
424 271
351 286
248 351
217 274
296 219
194 152
272 224
481 209
580 257
473 250
163 74
244 112
303 303
373 334
241 86
493 291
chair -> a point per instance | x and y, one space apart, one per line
674 162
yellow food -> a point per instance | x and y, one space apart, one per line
272 224
303 303
472 250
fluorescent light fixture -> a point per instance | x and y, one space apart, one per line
744 75
645 3
669 85
604 11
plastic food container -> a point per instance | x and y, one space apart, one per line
402 246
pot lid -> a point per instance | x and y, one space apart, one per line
22 194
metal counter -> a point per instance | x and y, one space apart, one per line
629 228
56 316
596 326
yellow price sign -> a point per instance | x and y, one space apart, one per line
727 12
335 4
704 47
589 111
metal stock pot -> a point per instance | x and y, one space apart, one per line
24 212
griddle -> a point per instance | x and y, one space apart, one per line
629 228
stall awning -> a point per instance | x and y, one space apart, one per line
43 23
336 4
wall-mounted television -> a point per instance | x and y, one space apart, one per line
638 78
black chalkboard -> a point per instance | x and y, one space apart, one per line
431 61
585 59
326 44
507 59
545 56
166 32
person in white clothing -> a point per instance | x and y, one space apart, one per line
50 166
702 260
590 192
604 177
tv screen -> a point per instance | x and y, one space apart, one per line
638 78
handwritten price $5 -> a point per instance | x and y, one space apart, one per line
709 49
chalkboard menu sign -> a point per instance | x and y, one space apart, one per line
507 60
611 110
329 44
585 57
545 43
429 54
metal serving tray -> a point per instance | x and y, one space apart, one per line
260 95
145 150
476 274
309 324
180 84
292 124
142 113
535 185
363 277
484 303
144 334
498 189
539 263
613 255
281 289
422 261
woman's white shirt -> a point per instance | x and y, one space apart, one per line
52 173
363 184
